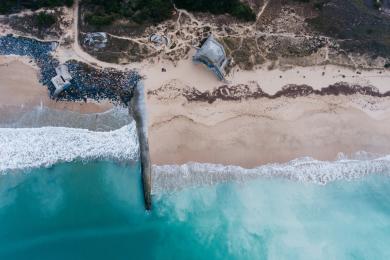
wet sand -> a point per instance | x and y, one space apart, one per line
253 132
246 133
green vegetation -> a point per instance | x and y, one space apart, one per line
9 6
233 7
318 4
154 11
361 27
139 11
45 20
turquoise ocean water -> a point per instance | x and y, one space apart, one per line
95 210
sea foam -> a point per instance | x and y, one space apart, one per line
25 148
169 178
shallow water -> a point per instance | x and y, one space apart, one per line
95 211
26 117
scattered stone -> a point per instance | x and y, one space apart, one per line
86 81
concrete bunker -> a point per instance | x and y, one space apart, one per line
213 55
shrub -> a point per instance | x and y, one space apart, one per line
243 12
45 20
233 7
99 20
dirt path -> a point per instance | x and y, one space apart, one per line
262 10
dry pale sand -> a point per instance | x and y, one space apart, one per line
270 81
19 86
246 133
254 132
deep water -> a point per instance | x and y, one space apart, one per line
95 211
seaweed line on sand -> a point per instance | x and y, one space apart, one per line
242 91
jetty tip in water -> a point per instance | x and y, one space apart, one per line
138 110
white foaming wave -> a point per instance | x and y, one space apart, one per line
25 148
175 177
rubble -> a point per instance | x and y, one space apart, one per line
86 81
96 40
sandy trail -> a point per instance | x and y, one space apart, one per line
247 133
262 10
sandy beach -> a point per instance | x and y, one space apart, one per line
249 132
256 131
270 80
20 87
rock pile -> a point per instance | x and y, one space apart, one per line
87 81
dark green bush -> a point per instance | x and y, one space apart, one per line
45 20
233 7
99 20
155 11
140 11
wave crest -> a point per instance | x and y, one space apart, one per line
175 177
25 148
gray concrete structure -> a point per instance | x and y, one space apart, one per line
138 110
213 55
62 80
96 40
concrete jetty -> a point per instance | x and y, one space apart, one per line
138 110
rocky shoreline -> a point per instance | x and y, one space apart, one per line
87 81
